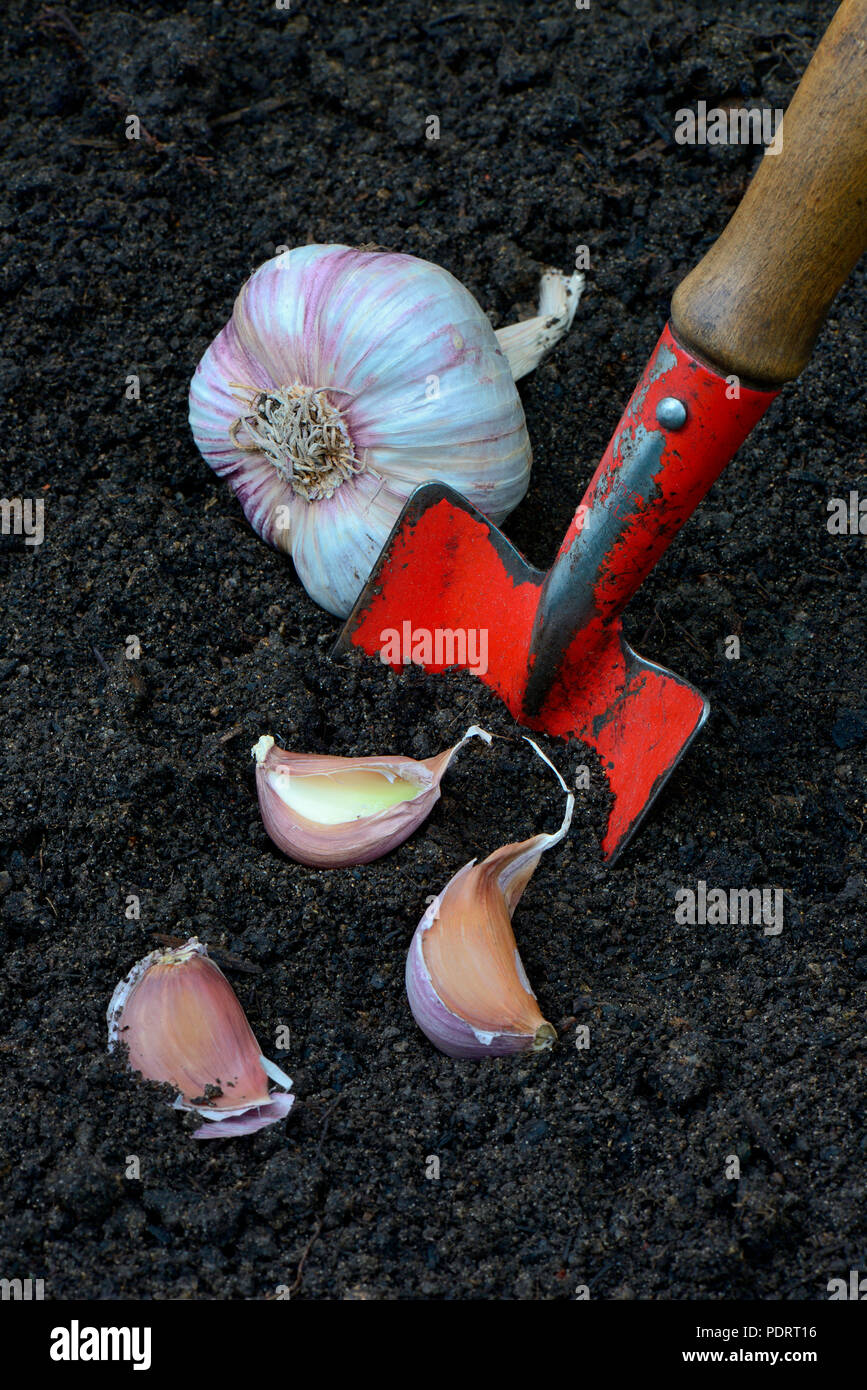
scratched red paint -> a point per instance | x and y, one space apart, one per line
692 460
443 572
635 717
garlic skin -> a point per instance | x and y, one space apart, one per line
465 982
526 343
183 1024
331 812
345 379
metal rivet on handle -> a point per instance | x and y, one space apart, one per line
671 413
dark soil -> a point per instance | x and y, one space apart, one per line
604 1167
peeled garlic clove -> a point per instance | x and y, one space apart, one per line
182 1023
465 982
526 343
330 812
343 380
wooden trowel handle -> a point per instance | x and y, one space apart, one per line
756 302
752 309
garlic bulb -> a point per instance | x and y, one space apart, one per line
182 1023
465 981
343 380
330 812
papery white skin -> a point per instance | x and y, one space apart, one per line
423 386
526 343
513 866
226 1022
363 838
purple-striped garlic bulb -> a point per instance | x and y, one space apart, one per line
345 379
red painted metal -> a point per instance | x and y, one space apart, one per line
717 423
443 573
555 651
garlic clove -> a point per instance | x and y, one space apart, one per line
527 342
466 984
345 379
330 812
182 1023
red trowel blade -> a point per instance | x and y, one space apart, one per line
450 590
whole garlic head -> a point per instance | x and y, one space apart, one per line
343 380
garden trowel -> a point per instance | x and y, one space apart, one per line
450 589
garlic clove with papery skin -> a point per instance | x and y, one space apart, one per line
345 379
465 982
330 812
182 1024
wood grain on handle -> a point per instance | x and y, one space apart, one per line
756 302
